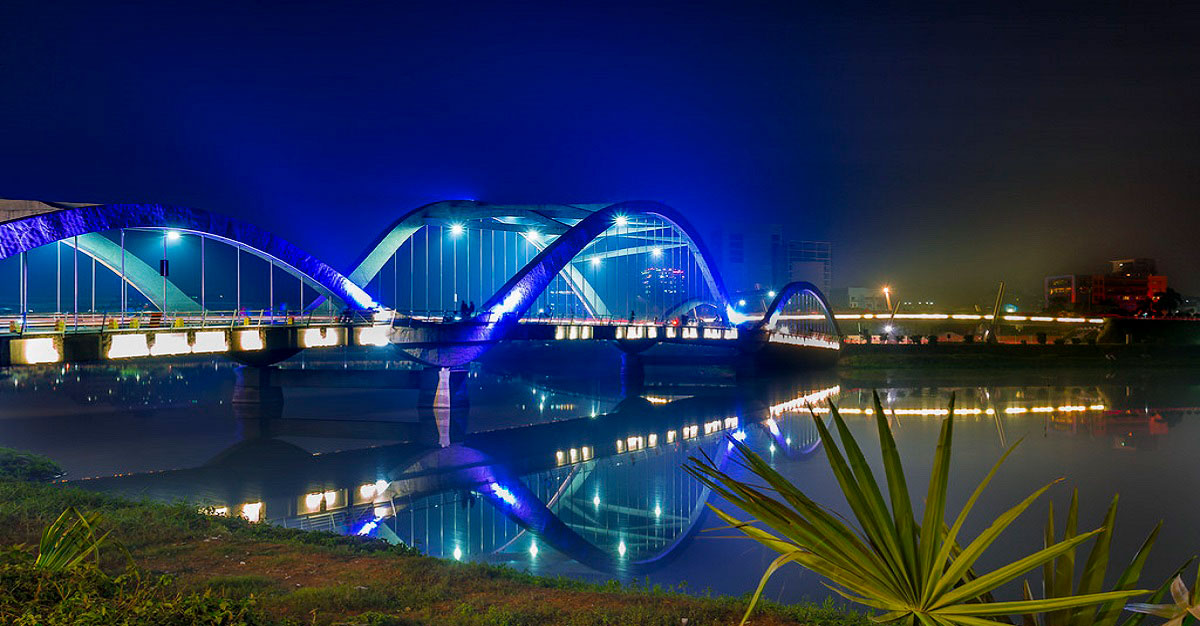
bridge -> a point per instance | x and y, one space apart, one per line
443 284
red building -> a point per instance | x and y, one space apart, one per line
1129 286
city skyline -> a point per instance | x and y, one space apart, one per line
938 151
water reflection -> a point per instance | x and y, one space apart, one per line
575 471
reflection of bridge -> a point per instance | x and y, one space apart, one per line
605 492
634 273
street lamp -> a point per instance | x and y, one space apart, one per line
456 229
887 295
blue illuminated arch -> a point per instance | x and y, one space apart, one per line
517 295
26 233
689 305
787 293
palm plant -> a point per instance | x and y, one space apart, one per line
1058 576
1187 603
916 573
69 540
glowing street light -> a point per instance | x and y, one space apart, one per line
595 261
173 235
741 303
656 253
771 293
456 229
622 220
533 235
887 295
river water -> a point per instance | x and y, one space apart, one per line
573 467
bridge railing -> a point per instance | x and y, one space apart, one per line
63 323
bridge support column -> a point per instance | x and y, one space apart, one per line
442 405
257 385
258 419
633 374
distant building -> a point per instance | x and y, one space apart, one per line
765 259
857 298
664 281
1129 286
810 261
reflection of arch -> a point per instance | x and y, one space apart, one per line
26 233
787 293
688 305
519 503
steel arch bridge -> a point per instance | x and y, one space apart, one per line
629 272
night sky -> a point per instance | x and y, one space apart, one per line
941 149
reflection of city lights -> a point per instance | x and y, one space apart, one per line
657 511
252 511
533 550
621 548
457 553
596 500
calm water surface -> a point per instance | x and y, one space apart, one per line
589 459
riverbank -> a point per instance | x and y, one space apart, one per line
228 571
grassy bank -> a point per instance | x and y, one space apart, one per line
194 568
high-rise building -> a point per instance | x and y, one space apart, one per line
765 259
664 281
811 261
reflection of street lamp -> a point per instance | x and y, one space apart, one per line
887 295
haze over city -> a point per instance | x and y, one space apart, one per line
939 149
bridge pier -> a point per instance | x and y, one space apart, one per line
633 374
442 405
257 385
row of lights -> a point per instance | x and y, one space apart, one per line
1012 410
573 455
252 511
945 316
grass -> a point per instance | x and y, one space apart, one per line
18 465
227 571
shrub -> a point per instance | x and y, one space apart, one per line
17 465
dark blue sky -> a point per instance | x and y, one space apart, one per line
940 149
